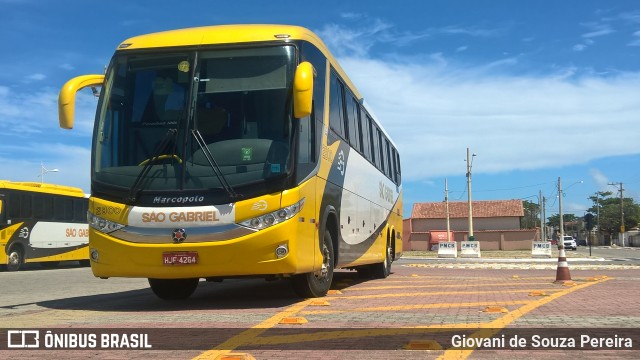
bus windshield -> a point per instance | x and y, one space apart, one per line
154 105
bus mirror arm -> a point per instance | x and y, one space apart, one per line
67 97
303 90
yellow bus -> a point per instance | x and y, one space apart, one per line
236 151
42 223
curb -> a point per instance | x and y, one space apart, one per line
504 260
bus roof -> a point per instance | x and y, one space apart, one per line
42 187
232 34
220 34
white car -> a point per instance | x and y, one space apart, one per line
569 243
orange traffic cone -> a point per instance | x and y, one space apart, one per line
562 273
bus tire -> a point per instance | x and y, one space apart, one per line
317 284
364 271
383 269
173 289
15 258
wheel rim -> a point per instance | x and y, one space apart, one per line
323 274
14 258
388 258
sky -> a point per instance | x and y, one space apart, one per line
539 90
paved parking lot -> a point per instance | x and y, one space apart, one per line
419 312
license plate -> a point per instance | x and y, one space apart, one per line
180 258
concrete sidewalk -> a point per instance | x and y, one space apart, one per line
504 260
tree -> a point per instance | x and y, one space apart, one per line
608 209
554 220
531 218
588 221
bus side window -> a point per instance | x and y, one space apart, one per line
399 171
366 138
26 206
396 171
353 116
389 166
381 150
13 206
374 144
79 210
336 120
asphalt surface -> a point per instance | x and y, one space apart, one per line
426 309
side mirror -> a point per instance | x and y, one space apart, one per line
67 97
303 90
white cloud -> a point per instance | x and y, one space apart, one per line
597 30
434 109
636 39
35 77
600 179
579 47
37 112
471 31
31 134
71 161
359 39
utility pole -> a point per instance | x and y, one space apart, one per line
43 171
544 216
561 238
598 218
469 164
542 225
446 206
621 190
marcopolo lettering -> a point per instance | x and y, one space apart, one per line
178 199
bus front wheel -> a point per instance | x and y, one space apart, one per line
317 284
15 258
173 289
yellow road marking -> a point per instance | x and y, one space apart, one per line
355 333
373 296
487 330
245 336
252 336
441 286
418 306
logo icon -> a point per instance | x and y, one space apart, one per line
20 339
178 235
24 233
259 205
341 164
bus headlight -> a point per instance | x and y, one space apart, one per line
102 224
275 217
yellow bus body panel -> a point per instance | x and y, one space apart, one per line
250 255
253 254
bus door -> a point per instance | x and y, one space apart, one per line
3 224
3 215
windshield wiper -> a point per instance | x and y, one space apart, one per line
214 165
136 187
